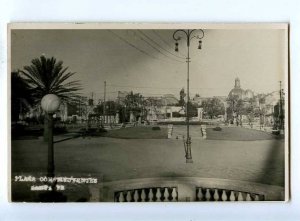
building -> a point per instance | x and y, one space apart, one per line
169 100
244 107
239 93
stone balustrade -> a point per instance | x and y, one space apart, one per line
154 194
185 189
206 194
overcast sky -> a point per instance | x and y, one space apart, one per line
145 61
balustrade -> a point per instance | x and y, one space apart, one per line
154 194
213 194
187 189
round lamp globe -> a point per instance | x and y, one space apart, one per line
50 103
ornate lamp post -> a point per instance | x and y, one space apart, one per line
50 104
189 35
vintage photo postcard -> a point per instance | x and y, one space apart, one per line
148 112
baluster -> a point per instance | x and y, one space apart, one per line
200 194
207 195
256 198
224 196
158 195
121 197
166 194
232 196
150 195
174 194
143 195
136 196
240 197
248 197
128 196
216 195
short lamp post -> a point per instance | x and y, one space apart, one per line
50 104
188 35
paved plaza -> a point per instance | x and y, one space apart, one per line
260 161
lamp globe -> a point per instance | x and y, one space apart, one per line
50 103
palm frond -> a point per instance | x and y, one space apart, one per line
46 75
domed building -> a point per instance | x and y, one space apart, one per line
258 110
239 93
237 98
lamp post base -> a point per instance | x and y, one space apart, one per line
51 174
188 150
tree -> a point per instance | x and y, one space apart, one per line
48 76
213 107
250 111
133 102
20 94
235 107
192 108
262 108
279 115
111 108
182 95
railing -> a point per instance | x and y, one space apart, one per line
206 194
154 194
183 189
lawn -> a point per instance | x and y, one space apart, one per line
138 133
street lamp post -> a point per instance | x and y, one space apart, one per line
50 104
189 34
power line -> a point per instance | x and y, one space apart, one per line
131 86
107 92
164 41
159 45
132 45
159 50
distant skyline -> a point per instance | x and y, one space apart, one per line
144 61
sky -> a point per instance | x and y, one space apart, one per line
144 61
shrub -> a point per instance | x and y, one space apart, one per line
59 130
92 132
217 129
17 130
276 132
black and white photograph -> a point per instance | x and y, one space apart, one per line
148 112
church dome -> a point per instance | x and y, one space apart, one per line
237 91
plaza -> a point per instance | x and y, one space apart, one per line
258 160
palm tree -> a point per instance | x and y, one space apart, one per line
48 76
20 94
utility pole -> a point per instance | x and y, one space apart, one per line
104 111
280 108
